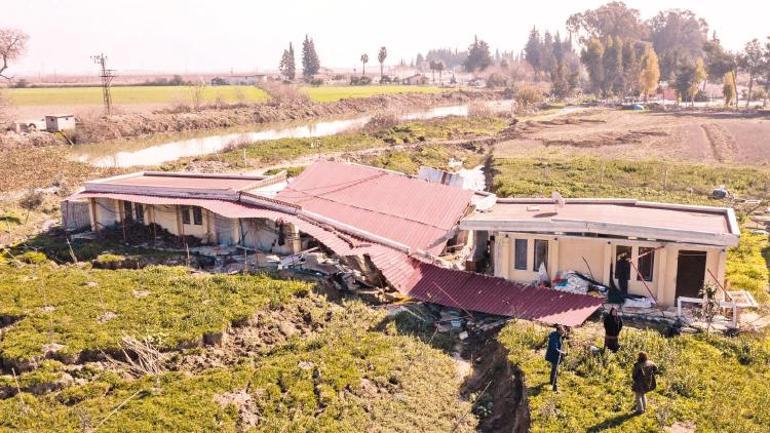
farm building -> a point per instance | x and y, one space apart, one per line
415 236
661 251
60 122
239 80
403 230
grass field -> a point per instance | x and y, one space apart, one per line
130 95
335 93
714 384
342 368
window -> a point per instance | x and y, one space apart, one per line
127 212
520 254
645 263
197 215
185 214
541 254
139 213
622 251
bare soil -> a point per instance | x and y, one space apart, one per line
706 137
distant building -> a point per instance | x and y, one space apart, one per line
415 80
239 80
59 122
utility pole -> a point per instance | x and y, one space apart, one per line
106 75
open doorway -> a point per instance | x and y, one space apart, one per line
690 273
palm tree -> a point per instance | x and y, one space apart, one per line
383 54
364 61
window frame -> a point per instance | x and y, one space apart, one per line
639 257
185 210
197 216
517 264
535 263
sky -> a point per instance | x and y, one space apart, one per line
188 36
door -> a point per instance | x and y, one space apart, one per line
690 273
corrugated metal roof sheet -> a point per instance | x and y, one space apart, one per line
407 210
476 292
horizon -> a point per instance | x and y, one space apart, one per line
63 35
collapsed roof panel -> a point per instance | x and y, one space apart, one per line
410 211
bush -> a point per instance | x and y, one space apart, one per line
33 257
528 96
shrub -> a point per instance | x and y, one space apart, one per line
33 257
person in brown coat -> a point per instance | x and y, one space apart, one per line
643 376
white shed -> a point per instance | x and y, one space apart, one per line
59 122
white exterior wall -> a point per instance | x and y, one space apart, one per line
566 253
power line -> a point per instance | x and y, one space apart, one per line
107 76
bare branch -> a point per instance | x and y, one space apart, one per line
13 43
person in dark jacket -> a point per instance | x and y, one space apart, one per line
554 353
613 323
623 272
643 376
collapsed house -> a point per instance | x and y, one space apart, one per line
405 229
672 250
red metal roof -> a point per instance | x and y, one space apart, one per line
493 295
407 210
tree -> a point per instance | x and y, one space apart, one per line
533 49
613 19
479 56
612 61
13 43
650 72
310 62
287 67
381 56
752 60
364 61
718 61
632 69
677 35
685 81
766 69
592 57
439 68
700 74
419 61
728 89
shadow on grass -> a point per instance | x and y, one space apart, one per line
611 423
10 219
418 321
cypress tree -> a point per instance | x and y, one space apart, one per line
310 62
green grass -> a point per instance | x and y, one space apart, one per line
348 377
335 93
645 180
721 384
747 266
64 304
284 150
132 95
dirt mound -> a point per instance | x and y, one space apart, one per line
608 139
137 124
258 334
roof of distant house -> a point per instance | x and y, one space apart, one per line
612 217
413 212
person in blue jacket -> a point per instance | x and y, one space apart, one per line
554 353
